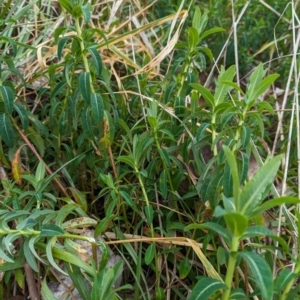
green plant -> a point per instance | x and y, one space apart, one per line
121 136
237 212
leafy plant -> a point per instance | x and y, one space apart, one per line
109 125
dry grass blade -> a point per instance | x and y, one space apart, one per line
179 241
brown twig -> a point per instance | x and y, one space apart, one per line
31 283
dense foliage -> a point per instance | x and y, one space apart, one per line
146 121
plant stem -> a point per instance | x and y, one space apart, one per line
231 267
84 58
151 225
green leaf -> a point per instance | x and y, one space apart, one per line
79 198
78 280
262 274
184 268
97 107
85 86
27 223
235 175
3 255
49 254
193 38
221 88
233 85
205 288
129 160
7 96
40 171
211 226
238 294
227 181
221 256
255 78
11 42
164 157
46 292
65 4
6 130
67 73
61 44
149 255
96 59
105 282
251 194
202 22
196 23
256 231
86 122
149 214
63 255
59 89
180 107
51 230
103 224
206 94
266 106
23 115
37 140
160 293
283 279
86 12
263 86
208 32
29 255
273 203
236 223
258 119
245 136
163 183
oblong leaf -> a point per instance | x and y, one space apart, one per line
50 257
274 202
163 183
206 94
23 115
7 96
97 107
85 86
256 231
149 255
252 192
51 230
46 292
284 278
61 45
205 288
262 274
221 88
96 59
6 130
29 255
231 160
211 226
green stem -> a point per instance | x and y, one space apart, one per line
213 132
238 131
231 267
151 224
38 233
84 58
